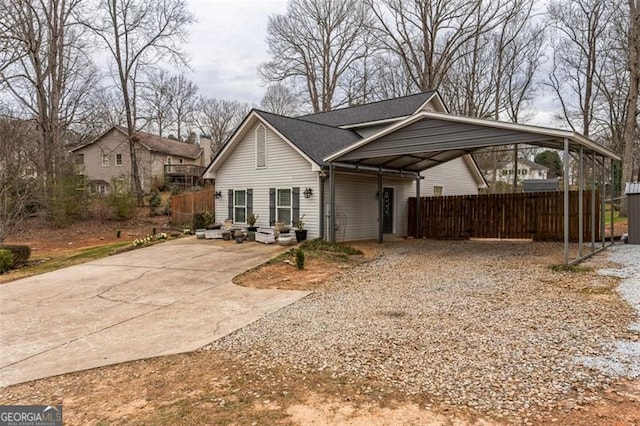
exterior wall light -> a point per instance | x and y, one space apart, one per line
218 194
308 193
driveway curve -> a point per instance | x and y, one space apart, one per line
165 299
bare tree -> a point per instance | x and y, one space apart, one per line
217 119
429 36
17 172
279 99
184 101
156 97
631 123
581 27
138 34
315 44
45 69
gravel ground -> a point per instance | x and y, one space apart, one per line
482 325
622 357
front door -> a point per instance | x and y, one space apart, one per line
387 210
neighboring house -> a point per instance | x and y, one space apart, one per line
274 166
526 170
106 159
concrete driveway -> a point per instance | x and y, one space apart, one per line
169 298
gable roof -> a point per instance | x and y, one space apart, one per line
315 140
375 111
155 143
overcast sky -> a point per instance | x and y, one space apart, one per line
227 44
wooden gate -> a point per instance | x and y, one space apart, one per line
537 215
184 205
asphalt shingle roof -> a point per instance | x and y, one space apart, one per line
169 146
315 140
376 111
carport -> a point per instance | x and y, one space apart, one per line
428 139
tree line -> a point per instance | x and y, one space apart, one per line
75 67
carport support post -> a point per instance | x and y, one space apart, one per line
418 209
580 202
332 209
603 200
613 194
566 201
380 208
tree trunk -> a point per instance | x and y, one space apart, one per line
631 124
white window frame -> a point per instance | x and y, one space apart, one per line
289 207
105 160
239 206
440 189
260 126
119 160
102 189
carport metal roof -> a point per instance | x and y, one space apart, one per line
427 139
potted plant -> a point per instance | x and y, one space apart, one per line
301 233
251 221
239 236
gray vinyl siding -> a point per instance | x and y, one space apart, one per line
357 203
285 169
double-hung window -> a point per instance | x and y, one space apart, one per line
105 160
240 206
118 159
283 206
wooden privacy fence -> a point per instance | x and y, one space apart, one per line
184 205
537 215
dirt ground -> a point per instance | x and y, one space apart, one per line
217 387
43 238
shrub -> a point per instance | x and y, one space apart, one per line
67 200
6 261
154 202
123 204
20 253
300 259
199 221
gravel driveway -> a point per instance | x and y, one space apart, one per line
484 325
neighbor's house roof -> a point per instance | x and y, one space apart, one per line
373 112
530 164
155 143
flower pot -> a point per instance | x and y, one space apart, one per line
251 235
252 228
284 240
200 233
226 235
301 235
239 238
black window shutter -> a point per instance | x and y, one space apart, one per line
295 205
272 206
249 202
230 204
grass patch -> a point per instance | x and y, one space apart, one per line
322 245
75 257
570 268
